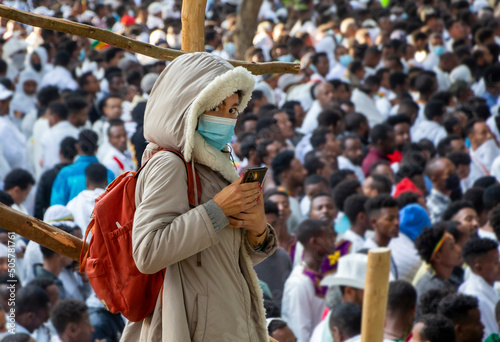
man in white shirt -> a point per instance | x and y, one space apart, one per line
345 322
431 128
447 62
325 97
60 128
32 309
481 255
303 297
352 156
365 104
412 220
82 205
354 209
463 311
263 39
71 320
60 75
320 66
483 147
456 30
117 158
111 108
382 211
18 184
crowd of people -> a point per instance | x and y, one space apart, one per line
387 137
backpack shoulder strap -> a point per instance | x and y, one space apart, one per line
191 176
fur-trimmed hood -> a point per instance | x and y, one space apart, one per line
190 85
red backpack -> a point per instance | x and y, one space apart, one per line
108 261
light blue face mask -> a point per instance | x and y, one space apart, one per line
230 48
438 50
338 37
81 57
313 68
215 130
345 60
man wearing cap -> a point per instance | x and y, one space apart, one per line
413 219
350 278
60 76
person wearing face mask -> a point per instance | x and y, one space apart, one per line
14 53
483 147
441 172
216 242
229 47
437 48
343 58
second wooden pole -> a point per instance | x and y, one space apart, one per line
375 297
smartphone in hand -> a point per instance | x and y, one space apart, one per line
257 174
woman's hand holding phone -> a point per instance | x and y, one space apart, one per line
238 197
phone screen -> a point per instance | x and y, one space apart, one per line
255 175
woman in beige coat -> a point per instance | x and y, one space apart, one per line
211 292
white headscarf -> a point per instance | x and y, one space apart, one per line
44 61
21 101
57 213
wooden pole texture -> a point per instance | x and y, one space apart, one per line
42 233
246 24
193 25
375 297
130 44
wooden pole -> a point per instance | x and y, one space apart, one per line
130 44
246 24
193 25
375 297
42 233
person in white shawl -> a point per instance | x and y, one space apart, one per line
37 62
24 100
484 149
12 141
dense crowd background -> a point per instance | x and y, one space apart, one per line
388 137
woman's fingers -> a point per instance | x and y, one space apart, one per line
249 186
235 223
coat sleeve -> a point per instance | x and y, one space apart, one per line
268 247
165 231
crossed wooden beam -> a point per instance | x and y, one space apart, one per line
190 42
